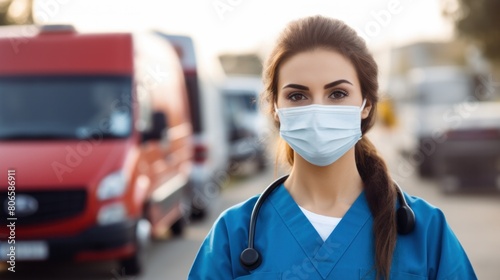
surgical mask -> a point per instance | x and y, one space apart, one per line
321 134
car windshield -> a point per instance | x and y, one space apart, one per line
55 107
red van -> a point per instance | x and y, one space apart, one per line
96 130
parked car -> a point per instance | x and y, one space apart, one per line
210 147
97 127
247 125
435 92
470 156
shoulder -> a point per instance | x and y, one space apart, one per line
238 215
435 240
430 219
422 207
219 253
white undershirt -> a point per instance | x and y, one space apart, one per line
324 225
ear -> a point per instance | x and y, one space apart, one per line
366 110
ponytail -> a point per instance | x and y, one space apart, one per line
381 197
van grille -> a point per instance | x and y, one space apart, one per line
51 206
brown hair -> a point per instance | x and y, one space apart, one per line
320 32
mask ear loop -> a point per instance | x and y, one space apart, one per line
363 105
276 111
360 111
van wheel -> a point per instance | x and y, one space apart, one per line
198 214
131 266
134 264
178 227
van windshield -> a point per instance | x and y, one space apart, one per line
445 92
69 107
241 113
241 101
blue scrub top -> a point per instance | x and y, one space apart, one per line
292 249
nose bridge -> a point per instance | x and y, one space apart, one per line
318 96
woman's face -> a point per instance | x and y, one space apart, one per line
322 77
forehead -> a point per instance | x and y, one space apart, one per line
319 65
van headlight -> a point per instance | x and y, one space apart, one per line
112 213
112 186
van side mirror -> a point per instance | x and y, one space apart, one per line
158 127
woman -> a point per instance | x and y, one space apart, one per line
336 215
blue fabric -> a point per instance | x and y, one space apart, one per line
292 249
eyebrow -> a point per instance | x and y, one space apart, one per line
296 87
327 86
332 84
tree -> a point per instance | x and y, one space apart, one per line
477 20
16 12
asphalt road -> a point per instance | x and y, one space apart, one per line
474 217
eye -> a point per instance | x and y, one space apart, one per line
296 96
338 94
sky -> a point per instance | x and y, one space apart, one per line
250 25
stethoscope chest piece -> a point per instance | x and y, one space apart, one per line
250 259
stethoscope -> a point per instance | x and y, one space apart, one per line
250 258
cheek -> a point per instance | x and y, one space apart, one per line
280 100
